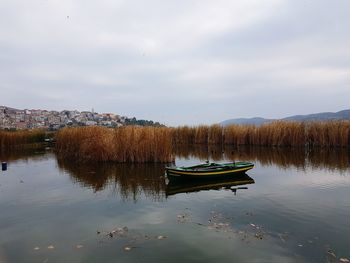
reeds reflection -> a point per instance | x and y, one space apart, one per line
200 151
31 152
284 157
127 181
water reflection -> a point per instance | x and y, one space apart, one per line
336 158
132 181
25 154
187 186
289 215
129 181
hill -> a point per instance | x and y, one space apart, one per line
323 116
253 121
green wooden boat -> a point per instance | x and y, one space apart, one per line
208 170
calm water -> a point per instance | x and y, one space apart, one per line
292 207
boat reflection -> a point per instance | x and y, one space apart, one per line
187 186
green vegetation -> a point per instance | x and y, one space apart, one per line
134 121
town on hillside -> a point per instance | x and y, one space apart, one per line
15 119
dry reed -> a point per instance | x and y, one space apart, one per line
279 133
14 139
125 144
156 144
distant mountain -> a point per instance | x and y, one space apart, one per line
254 121
323 116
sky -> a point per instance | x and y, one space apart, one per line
181 62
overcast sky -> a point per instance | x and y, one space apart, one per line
177 62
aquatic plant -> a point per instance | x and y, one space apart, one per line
124 144
14 139
278 133
156 144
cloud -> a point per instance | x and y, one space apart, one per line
176 62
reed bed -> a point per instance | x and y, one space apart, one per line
279 133
125 144
135 144
201 134
16 139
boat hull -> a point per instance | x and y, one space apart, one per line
208 172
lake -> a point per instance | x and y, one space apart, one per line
294 206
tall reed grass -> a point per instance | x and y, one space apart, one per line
15 139
201 134
156 144
125 144
279 133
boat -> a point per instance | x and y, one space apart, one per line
208 170
188 186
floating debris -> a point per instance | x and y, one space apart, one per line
161 237
127 248
98 232
119 232
300 245
259 235
330 252
216 222
36 248
344 260
51 247
282 237
182 218
221 225
79 246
